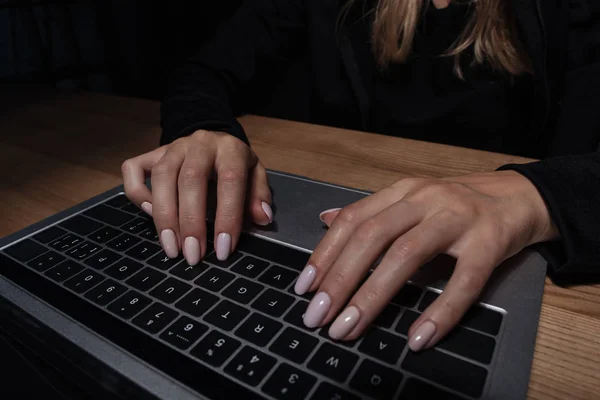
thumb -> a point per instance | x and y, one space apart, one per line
328 216
259 196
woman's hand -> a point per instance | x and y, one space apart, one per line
479 219
180 173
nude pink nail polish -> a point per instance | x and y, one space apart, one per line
344 323
317 310
422 336
305 280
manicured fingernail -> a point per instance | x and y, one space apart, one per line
191 249
223 246
422 336
317 310
344 323
169 243
147 207
305 280
327 212
268 212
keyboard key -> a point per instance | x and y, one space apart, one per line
382 345
123 269
81 225
50 234
242 290
150 234
477 317
84 281
146 279
226 315
123 242
288 382
258 329
296 315
273 303
25 250
83 251
118 201
406 320
45 261
327 391
197 302
250 365
105 292
155 318
215 279
102 259
170 290
416 389
278 276
212 258
215 348
250 267
294 345
184 332
185 271
131 208
162 261
333 362
137 225
408 296
104 235
388 316
470 344
376 380
109 215
306 296
274 252
427 299
324 333
64 271
446 370
66 242
129 304
143 251
483 319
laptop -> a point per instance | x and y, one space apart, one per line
92 289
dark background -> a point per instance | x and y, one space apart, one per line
126 47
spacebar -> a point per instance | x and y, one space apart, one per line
186 370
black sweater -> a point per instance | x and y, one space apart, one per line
290 59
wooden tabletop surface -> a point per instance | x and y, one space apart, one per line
58 148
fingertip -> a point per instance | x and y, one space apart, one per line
421 338
328 216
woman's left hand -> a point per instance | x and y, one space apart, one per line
480 219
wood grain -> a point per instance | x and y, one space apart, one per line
60 148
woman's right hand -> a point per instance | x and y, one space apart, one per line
180 173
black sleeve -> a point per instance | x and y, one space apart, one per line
570 186
207 92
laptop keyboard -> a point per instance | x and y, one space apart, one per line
234 328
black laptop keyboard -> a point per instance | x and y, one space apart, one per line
235 328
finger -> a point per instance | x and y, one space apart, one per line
134 172
328 216
259 196
232 178
472 271
410 251
193 185
164 196
357 257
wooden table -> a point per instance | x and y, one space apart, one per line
60 148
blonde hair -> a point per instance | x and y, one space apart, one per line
490 30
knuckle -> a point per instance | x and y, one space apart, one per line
372 293
190 175
347 215
161 168
232 175
369 231
472 281
403 250
127 165
188 218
